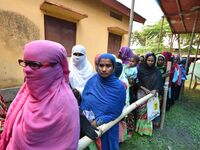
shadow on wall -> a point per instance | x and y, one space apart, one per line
15 31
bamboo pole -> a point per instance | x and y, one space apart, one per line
165 96
85 141
179 54
131 22
171 43
194 64
191 40
179 46
160 34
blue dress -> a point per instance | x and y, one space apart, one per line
106 98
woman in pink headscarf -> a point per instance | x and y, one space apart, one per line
96 60
44 114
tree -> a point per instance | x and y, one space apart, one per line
148 37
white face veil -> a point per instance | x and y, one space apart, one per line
80 68
79 61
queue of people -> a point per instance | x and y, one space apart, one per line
58 104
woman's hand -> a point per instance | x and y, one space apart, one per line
94 123
166 74
130 81
153 92
145 90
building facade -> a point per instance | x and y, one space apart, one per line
100 25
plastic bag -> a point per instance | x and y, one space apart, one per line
153 108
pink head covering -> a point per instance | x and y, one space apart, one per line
96 58
167 55
44 114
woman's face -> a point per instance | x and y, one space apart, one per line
120 55
105 68
78 57
160 61
150 61
141 59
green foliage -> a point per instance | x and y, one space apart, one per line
148 38
143 50
150 35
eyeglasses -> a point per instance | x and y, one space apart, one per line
78 54
34 64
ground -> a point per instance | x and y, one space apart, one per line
181 129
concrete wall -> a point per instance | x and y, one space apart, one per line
24 22
19 25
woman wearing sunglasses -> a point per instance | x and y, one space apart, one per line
44 114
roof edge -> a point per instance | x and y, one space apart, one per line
123 9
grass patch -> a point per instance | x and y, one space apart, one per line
181 128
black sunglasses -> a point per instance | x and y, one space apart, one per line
34 64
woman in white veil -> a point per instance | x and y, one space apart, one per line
80 68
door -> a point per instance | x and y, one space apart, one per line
114 43
61 31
